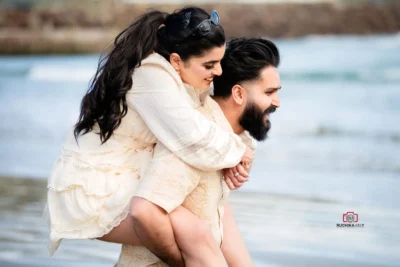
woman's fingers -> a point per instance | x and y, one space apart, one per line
228 176
233 179
237 178
247 165
243 174
248 155
229 183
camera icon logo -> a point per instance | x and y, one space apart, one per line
350 217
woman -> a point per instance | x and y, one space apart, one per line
138 98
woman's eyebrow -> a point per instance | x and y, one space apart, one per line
211 62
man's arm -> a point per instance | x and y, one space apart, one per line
233 247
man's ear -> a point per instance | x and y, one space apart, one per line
176 61
238 94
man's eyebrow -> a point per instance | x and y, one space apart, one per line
273 88
211 62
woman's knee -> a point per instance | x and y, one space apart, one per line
189 230
201 232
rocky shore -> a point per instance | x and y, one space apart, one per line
90 30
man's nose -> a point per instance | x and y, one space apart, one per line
276 101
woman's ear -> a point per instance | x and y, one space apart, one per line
239 94
176 62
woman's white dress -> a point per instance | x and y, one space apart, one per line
91 185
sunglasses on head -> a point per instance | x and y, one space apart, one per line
205 26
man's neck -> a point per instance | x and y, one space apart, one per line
230 112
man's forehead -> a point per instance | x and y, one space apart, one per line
269 72
269 77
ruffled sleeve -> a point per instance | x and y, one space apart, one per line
162 102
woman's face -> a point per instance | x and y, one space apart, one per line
199 71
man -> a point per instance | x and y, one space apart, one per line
244 96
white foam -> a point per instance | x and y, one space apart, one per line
61 74
392 74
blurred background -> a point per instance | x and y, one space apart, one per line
333 148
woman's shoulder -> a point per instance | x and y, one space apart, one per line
155 63
156 59
155 69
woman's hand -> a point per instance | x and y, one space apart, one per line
235 177
248 155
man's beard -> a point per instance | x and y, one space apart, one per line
252 120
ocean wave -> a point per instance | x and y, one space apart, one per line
386 41
49 73
57 73
13 72
389 42
322 131
328 131
86 74
375 76
61 74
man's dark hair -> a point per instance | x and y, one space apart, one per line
243 61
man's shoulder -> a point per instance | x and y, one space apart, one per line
214 113
205 109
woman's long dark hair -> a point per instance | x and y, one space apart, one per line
155 31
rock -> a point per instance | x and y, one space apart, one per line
20 28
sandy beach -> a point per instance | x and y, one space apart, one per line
279 231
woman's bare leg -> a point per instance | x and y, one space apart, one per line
123 234
192 236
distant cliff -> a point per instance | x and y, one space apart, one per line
80 30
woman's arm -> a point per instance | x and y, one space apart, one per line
167 111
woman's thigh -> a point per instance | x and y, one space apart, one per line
124 233
187 228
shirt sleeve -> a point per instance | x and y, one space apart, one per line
167 180
248 140
166 109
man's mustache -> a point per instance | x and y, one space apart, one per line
270 110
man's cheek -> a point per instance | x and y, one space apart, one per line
267 100
267 103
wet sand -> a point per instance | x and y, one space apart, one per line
279 231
